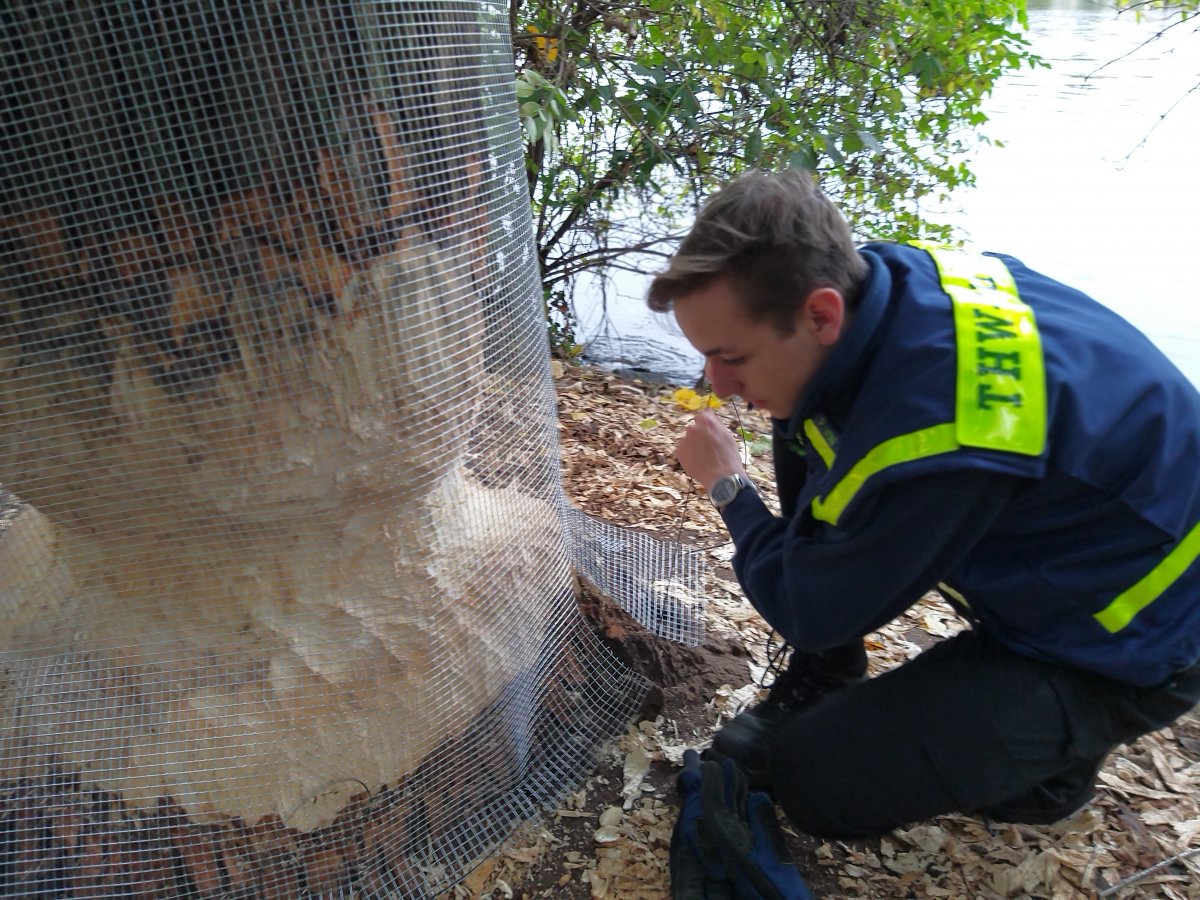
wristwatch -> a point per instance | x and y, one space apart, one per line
725 489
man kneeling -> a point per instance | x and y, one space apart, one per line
952 419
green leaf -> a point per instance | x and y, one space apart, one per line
869 140
831 149
803 158
754 148
648 423
757 444
532 131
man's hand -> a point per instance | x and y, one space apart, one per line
708 451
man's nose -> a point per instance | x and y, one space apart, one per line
724 382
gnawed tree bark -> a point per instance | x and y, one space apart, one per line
61 837
241 358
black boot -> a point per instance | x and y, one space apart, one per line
800 681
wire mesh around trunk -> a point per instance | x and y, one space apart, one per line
287 606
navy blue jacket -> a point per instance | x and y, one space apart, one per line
1083 551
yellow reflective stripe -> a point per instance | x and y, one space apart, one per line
1121 611
903 448
1001 385
818 441
954 595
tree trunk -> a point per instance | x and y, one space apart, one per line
241 358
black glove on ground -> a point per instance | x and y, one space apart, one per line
727 844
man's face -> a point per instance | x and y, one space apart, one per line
753 359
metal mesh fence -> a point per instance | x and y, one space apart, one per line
654 580
286 605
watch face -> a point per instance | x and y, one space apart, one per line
724 490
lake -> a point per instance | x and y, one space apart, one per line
1097 185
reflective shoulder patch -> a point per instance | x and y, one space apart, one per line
1000 399
1001 382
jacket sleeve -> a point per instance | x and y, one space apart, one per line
833 585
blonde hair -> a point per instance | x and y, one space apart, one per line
776 236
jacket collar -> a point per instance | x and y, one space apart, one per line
834 384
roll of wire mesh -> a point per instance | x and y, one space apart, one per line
286 608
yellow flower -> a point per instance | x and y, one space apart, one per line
547 47
689 399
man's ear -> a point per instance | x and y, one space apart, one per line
823 313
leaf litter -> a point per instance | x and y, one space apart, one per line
609 839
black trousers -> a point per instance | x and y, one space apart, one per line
966 725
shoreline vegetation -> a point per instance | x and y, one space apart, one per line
609 839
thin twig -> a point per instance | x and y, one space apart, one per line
1162 117
1146 873
1146 42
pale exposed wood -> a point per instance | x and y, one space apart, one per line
256 589
244 675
